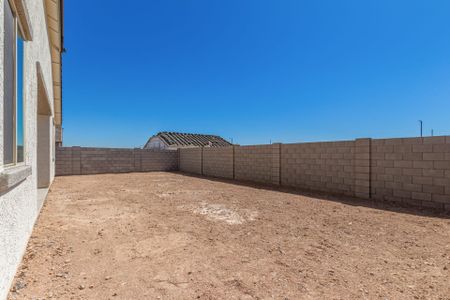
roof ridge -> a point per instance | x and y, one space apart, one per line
192 139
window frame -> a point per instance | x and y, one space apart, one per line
18 34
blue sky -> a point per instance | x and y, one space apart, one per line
255 70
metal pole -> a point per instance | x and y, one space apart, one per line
421 128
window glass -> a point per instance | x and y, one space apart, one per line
19 108
9 85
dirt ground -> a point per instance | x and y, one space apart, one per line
172 236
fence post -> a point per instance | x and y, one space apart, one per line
137 165
362 168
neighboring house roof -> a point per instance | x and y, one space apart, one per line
176 139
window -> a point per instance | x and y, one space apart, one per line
13 129
19 107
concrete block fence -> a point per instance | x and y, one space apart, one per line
258 163
191 160
414 171
218 162
83 161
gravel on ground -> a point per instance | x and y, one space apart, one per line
174 236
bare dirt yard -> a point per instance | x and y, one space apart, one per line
172 236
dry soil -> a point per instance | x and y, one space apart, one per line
172 236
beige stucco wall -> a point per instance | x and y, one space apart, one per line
19 206
44 152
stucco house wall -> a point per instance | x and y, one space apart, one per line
19 205
156 143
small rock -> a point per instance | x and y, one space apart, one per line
108 278
114 295
81 287
91 286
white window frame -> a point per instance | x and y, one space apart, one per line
18 34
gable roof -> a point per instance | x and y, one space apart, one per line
178 139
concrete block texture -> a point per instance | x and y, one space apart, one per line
156 160
218 162
417 174
334 173
363 176
83 161
258 163
190 160
414 171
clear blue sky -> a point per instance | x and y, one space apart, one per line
255 70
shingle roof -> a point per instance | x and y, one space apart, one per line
191 139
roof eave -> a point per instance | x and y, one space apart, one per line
55 16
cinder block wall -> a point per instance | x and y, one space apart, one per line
83 161
326 167
157 160
218 162
258 163
414 171
64 161
190 160
102 160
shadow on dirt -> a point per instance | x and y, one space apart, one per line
385 205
